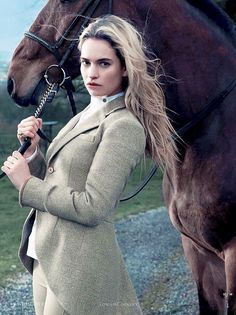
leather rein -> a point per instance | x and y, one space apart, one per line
87 11
65 80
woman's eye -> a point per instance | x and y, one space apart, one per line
104 64
84 62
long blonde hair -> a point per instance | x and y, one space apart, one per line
143 96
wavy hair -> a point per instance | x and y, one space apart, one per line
143 94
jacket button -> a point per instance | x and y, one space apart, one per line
50 170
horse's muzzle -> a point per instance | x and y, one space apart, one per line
32 98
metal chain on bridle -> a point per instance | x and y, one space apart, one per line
66 82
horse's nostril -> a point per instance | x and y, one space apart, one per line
10 86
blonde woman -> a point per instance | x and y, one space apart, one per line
68 240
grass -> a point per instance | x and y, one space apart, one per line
12 216
150 197
11 221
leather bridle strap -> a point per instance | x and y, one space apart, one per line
198 117
54 48
87 10
85 13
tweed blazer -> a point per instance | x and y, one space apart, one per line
74 194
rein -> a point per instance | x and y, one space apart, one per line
66 82
198 117
52 88
49 94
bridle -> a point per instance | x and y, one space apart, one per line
65 82
86 12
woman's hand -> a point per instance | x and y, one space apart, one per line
28 127
17 169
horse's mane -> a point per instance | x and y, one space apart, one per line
218 16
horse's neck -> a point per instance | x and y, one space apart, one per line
193 50
218 17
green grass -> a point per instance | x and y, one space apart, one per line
12 216
11 220
150 197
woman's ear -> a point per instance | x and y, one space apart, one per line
125 74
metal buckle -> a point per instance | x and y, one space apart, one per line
46 75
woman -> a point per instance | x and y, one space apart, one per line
69 242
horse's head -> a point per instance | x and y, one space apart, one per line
46 43
194 40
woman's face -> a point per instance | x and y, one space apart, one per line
101 69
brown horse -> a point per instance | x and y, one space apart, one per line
196 43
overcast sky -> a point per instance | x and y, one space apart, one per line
15 18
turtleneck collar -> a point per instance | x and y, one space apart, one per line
98 101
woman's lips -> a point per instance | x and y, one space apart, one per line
93 84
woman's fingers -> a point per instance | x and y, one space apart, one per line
17 156
26 133
22 133
27 128
17 169
29 125
7 165
12 159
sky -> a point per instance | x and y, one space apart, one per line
16 16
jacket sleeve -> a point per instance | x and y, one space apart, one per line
121 148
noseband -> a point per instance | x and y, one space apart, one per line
86 12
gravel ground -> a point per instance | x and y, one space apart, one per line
154 259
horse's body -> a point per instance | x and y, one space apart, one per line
198 50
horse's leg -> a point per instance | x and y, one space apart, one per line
208 272
230 272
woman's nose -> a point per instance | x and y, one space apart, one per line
93 72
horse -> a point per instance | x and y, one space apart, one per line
196 43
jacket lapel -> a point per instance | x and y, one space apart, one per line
69 126
72 130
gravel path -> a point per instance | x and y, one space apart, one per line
154 258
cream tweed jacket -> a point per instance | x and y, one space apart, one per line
74 194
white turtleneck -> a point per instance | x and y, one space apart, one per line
95 104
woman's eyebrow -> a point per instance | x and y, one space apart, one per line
105 59
85 59
98 60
